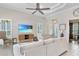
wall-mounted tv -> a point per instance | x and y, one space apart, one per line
23 28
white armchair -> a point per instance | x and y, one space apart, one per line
1 42
2 37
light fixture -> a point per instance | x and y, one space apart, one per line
76 12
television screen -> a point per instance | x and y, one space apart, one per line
25 28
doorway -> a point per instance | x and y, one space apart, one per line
74 30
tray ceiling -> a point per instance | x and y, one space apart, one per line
54 7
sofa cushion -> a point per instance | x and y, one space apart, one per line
50 40
47 36
47 41
28 45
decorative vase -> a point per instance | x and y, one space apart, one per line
62 35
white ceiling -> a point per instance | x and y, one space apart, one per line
54 7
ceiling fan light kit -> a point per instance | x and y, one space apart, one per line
38 9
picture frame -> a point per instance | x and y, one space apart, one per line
62 26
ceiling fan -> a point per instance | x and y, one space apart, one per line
38 9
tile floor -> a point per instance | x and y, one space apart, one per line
73 49
6 51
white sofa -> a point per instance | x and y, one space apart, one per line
48 47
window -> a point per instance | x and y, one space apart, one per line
5 25
75 28
40 28
53 28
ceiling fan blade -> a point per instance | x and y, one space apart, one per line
34 12
31 8
44 8
41 12
38 5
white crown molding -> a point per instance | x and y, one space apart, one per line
61 5
73 8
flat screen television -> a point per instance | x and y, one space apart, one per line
23 28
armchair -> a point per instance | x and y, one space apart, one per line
2 37
1 42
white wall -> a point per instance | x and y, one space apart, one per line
63 17
19 18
